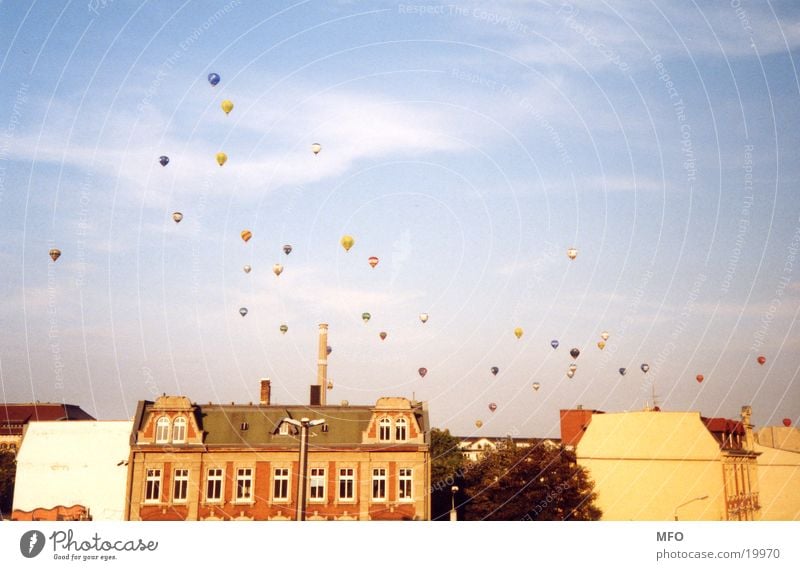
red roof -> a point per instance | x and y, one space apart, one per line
14 417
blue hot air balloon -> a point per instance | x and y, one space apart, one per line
554 344
213 79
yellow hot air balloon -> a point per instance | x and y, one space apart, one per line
478 423
246 235
227 106
518 332
177 217
601 344
316 147
222 158
277 269
347 242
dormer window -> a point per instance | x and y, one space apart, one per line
179 430
401 429
284 429
162 430
385 429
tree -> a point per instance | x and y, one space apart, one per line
447 468
542 482
8 469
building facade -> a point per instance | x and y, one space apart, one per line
241 462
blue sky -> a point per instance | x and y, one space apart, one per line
466 145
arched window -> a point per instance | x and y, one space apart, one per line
179 430
401 429
385 429
162 430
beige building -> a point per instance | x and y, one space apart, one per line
779 473
654 465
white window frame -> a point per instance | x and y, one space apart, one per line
152 485
245 474
282 474
217 476
179 426
317 482
405 484
379 479
347 477
180 476
384 428
162 429
401 424
284 428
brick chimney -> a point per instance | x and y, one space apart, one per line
574 424
322 364
266 390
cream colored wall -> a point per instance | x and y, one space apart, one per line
74 463
645 464
779 484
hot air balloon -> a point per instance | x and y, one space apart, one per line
423 317
382 335
243 311
604 335
699 377
573 367
572 253
177 217
347 242
478 423
164 160
55 254
495 370
554 344
570 373
330 384
762 360
422 372
622 371
574 353
277 269
492 406
787 422
213 79
227 106
536 386
645 367
287 249
601 344
247 269
246 235
222 158
284 328
366 317
316 147
328 349
518 332
373 261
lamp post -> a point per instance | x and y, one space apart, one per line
453 512
703 498
304 424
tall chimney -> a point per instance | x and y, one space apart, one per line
266 390
322 363
749 440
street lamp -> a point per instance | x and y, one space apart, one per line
703 498
453 513
304 424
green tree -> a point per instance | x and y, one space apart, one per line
447 469
542 482
8 470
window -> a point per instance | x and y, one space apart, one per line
401 429
180 484
379 484
152 486
284 429
404 489
162 430
385 429
280 485
317 485
244 484
179 430
214 485
347 481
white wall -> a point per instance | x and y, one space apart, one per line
74 463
